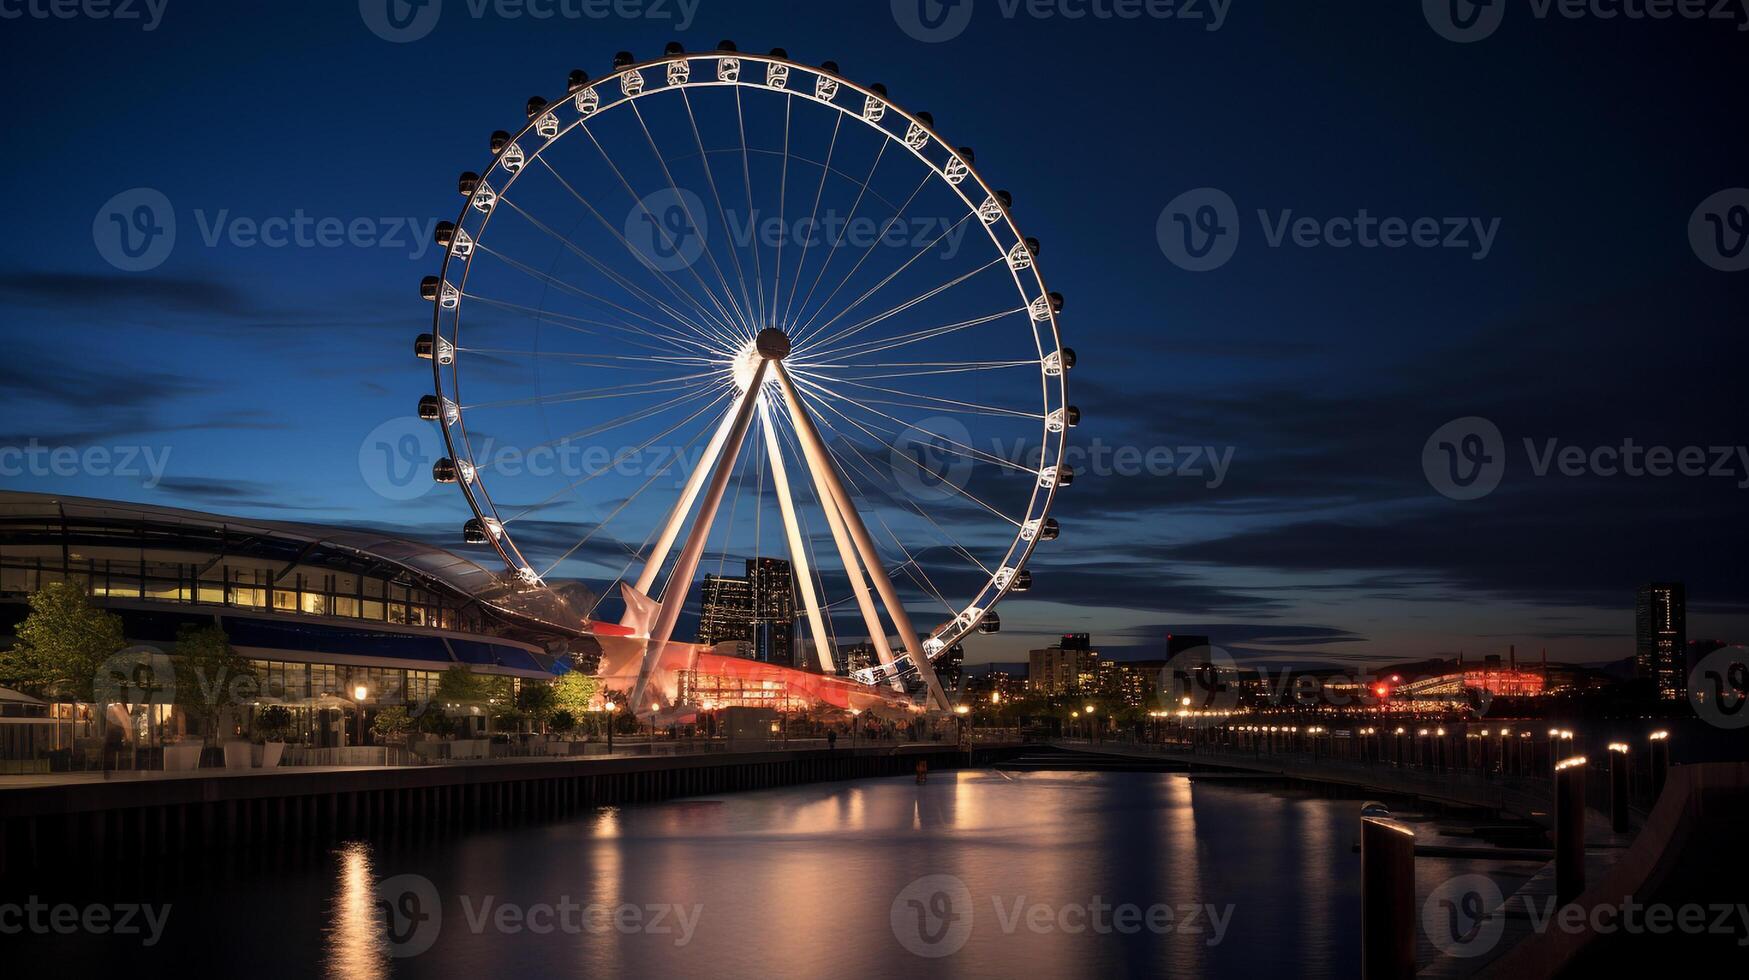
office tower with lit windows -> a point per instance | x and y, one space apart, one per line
1661 638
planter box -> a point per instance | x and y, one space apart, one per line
238 755
271 753
182 757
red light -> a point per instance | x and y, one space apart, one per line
1382 691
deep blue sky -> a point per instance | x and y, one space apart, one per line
1591 320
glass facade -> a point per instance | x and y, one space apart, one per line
241 584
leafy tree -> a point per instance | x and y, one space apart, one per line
62 644
392 723
536 700
210 676
575 692
562 722
459 685
273 723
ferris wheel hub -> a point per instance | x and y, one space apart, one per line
772 344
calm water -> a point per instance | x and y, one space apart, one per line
809 881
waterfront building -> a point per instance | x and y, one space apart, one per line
1661 638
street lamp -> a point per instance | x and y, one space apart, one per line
359 692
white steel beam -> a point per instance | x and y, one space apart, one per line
797 550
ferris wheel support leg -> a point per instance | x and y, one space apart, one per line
871 617
680 580
797 551
694 482
820 463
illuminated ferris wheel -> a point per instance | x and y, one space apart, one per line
744 307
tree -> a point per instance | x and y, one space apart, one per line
62 644
392 723
574 692
536 700
562 722
459 685
210 676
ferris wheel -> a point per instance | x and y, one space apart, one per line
747 308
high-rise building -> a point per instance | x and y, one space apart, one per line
1070 667
772 594
1661 638
727 610
758 609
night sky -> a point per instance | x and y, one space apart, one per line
1582 312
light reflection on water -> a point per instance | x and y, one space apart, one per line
356 946
802 881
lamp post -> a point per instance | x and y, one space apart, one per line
359 692
609 707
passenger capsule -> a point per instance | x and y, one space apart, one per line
424 346
926 119
428 287
1056 302
500 139
829 66
726 46
444 233
534 106
965 153
467 183
780 53
576 82
430 408
1022 581
673 48
878 89
622 59
1032 246
1006 198
1065 475
1049 530
474 532
992 624
443 471
1068 357
1073 416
